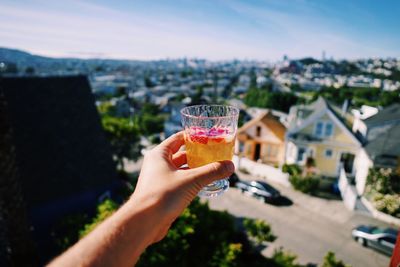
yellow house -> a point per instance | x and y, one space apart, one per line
262 139
321 131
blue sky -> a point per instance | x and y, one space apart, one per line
211 29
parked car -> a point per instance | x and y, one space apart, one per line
377 238
233 179
260 190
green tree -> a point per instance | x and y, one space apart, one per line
383 189
358 96
331 261
123 135
149 119
185 242
196 99
226 255
387 203
106 108
121 91
148 82
262 98
307 184
283 258
292 169
259 230
384 181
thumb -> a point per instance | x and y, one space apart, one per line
211 172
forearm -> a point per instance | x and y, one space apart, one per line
118 241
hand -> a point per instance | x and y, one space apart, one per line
170 188
163 191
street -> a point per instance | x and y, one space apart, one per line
310 227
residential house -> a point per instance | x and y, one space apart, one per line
321 131
262 139
382 144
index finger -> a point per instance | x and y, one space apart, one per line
174 142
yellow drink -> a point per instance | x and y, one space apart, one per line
210 132
202 149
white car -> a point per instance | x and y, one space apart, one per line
383 240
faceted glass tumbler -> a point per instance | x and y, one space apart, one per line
210 132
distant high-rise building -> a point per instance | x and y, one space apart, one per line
285 58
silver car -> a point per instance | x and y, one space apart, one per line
380 239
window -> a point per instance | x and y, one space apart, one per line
328 153
328 129
318 128
300 154
258 131
389 239
241 147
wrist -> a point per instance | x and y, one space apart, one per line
146 210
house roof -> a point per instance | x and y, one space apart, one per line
303 115
388 114
270 121
57 159
60 145
386 147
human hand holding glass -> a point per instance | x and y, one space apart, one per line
163 191
210 132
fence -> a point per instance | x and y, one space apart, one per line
262 170
347 191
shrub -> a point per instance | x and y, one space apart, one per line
307 185
259 230
384 181
331 261
227 255
387 203
383 189
284 259
291 169
310 162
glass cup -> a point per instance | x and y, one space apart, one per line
210 132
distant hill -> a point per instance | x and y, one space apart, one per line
21 57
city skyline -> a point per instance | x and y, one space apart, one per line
261 30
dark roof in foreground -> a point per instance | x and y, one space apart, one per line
387 115
60 143
385 149
57 158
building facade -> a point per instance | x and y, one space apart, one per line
262 139
317 131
